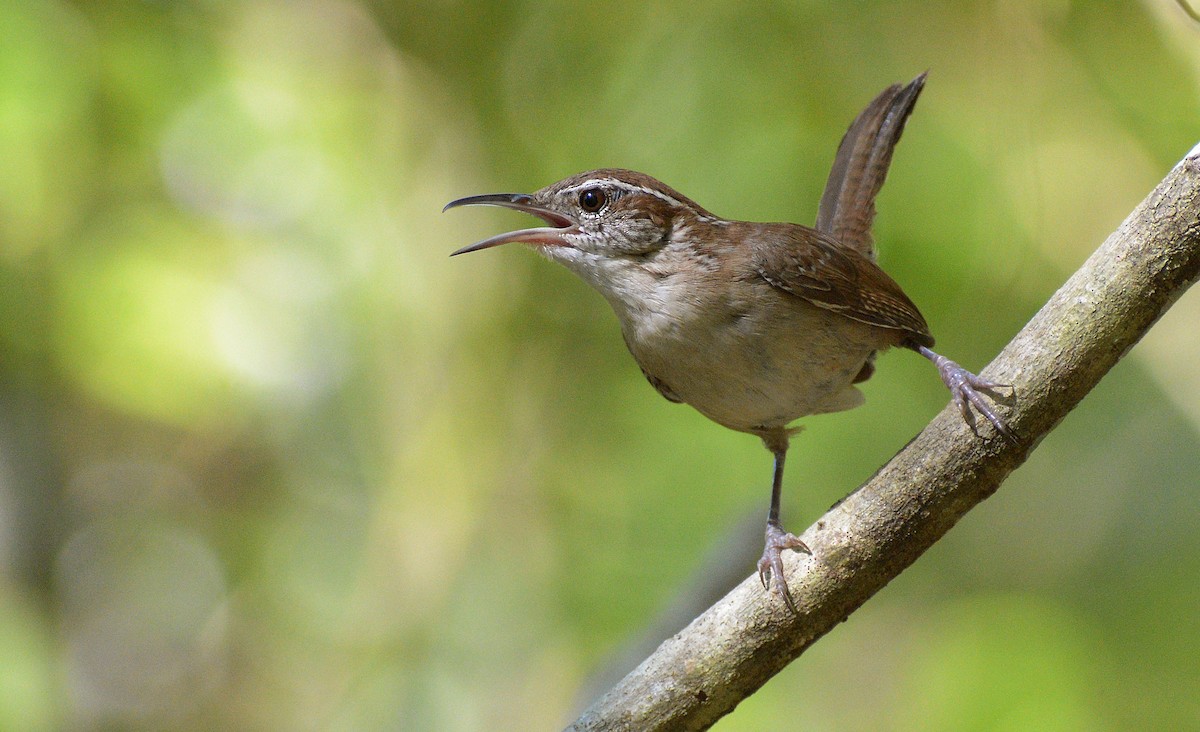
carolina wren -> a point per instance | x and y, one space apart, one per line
753 324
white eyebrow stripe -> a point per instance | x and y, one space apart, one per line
627 187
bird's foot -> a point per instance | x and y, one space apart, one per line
771 564
967 390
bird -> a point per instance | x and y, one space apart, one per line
754 325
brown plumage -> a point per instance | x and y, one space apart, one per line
753 324
828 275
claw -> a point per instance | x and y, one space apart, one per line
771 563
968 389
965 388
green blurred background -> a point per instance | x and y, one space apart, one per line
270 460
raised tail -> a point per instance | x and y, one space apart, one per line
848 205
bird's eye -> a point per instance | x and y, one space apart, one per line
592 199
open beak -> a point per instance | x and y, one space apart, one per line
551 235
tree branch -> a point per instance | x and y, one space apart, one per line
723 656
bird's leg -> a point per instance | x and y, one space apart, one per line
778 539
965 388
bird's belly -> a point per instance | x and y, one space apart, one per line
760 370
